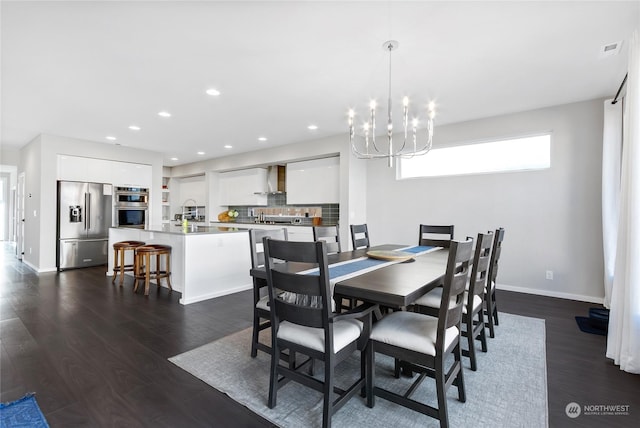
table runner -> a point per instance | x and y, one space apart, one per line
348 269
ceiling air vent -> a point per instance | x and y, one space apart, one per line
610 49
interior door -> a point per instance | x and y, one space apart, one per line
20 216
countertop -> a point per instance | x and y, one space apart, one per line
251 223
192 229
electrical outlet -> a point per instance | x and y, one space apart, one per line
549 275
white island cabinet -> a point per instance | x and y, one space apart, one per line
206 261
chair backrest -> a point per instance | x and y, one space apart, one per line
282 283
331 237
435 235
498 237
255 241
359 236
480 268
455 281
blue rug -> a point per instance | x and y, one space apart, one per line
22 413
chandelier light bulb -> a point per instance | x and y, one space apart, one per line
372 104
405 101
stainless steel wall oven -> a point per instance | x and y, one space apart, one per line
131 207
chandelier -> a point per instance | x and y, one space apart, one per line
364 146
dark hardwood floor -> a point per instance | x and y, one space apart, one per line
96 354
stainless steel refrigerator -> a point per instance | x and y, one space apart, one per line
84 219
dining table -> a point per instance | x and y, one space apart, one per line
394 284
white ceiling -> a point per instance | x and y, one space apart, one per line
90 69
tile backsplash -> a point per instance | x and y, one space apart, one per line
276 204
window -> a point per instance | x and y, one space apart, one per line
517 154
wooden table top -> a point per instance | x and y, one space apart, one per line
397 285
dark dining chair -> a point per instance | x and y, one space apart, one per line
491 307
359 236
261 312
473 309
330 235
435 235
424 343
312 330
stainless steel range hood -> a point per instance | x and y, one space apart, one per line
276 178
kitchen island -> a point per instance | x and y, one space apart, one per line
206 261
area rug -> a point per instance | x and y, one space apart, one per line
509 388
22 413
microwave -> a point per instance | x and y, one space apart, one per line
131 197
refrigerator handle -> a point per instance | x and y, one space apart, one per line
87 211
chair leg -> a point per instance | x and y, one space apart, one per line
371 371
470 342
495 310
168 270
327 407
137 263
483 335
273 379
147 273
255 335
122 267
457 355
115 262
441 392
489 311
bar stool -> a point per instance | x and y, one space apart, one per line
119 251
144 270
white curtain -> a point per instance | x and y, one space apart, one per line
611 153
623 344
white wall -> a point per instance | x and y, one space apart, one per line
38 160
552 217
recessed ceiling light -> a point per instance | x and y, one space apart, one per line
312 127
111 138
200 153
134 128
262 138
228 146
164 114
174 159
213 92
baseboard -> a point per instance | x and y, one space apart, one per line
35 269
548 293
207 296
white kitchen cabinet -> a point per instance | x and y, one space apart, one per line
243 187
314 182
78 168
127 174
